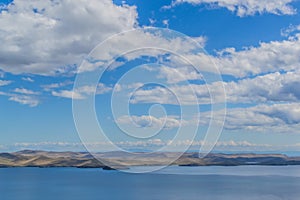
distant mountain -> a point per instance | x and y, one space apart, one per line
29 158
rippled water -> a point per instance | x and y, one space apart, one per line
261 183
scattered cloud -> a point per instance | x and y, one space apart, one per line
2 74
268 57
61 41
276 118
262 118
174 95
49 37
32 101
273 87
70 94
166 23
143 121
4 82
251 61
52 86
28 79
150 43
290 31
246 7
25 91
23 96
82 92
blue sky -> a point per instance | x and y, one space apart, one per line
255 45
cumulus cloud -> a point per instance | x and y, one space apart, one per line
273 87
143 121
174 95
49 37
276 118
61 40
268 57
148 42
277 90
53 37
246 7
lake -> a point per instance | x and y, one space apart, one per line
205 183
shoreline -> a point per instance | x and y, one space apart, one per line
121 160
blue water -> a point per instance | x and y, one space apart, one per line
204 183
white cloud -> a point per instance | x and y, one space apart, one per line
152 143
49 87
274 87
47 146
25 91
156 95
62 39
82 92
277 118
282 89
143 121
48 37
268 57
166 23
32 101
4 82
28 79
68 94
66 31
191 94
246 7
149 42
23 96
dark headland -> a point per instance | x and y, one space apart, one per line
28 158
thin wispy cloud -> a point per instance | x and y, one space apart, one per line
245 8
25 100
4 82
151 144
28 79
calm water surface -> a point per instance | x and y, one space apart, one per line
259 183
